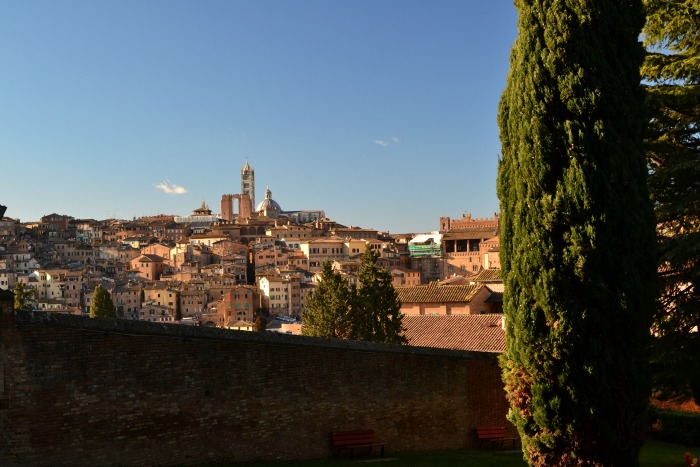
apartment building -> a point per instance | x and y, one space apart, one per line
321 249
281 295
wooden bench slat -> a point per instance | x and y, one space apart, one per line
493 434
355 439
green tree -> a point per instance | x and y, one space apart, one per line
327 308
102 305
671 74
375 314
23 296
577 233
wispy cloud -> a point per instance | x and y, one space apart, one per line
170 188
384 142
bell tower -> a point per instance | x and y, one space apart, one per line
248 181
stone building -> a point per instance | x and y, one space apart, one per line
462 240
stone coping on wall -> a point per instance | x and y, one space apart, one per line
178 331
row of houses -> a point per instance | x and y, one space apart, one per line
226 274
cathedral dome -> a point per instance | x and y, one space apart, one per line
268 207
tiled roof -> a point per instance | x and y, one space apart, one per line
440 294
488 275
470 234
149 257
481 333
457 280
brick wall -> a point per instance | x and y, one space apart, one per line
78 391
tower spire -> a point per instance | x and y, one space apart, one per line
248 181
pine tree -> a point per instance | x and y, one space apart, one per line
102 305
328 307
671 75
375 314
577 233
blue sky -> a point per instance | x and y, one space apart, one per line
380 112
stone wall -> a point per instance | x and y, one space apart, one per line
82 391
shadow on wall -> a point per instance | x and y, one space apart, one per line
84 391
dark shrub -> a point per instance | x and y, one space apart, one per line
674 426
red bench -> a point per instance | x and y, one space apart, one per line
355 439
494 435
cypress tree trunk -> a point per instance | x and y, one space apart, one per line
577 233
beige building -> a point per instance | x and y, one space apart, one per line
354 247
281 295
161 295
321 249
209 238
8 276
286 231
58 287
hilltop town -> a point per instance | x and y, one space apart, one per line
225 270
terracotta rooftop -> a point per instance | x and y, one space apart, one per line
434 293
457 280
488 275
469 234
149 257
482 333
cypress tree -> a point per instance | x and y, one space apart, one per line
577 233
102 305
23 296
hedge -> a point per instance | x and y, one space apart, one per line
674 426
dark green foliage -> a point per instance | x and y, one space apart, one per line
375 314
671 75
23 296
371 313
675 426
328 308
577 233
102 305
